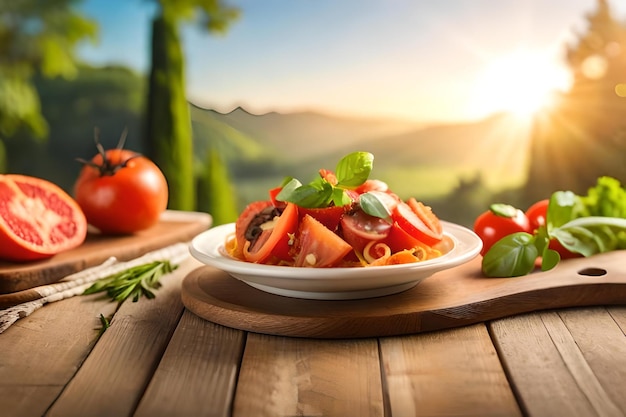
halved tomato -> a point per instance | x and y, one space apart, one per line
419 221
318 246
244 220
37 219
273 236
359 228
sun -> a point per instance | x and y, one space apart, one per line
521 82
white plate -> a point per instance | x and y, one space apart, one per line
332 283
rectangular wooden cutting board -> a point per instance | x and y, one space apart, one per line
173 227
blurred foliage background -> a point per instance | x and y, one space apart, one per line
50 104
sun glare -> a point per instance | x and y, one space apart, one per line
520 83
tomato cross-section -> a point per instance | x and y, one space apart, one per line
37 219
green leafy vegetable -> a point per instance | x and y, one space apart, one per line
606 199
351 171
133 282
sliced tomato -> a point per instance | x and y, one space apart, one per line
318 246
418 221
398 239
330 217
359 228
275 238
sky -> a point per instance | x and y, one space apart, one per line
424 61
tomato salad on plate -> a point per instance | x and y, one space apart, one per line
340 219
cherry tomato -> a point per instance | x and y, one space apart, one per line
499 221
121 192
318 246
419 221
359 228
537 214
37 219
270 235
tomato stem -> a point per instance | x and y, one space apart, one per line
108 168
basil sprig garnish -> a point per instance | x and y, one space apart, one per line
351 171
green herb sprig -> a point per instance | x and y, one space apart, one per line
133 282
351 171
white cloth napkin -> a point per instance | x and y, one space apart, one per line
78 282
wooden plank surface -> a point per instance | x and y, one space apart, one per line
552 376
296 377
198 373
602 344
448 373
175 226
451 298
113 378
42 352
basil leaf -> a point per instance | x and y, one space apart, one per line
354 169
311 195
288 188
512 256
549 259
591 235
373 206
564 206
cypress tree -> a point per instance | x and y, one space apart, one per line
168 137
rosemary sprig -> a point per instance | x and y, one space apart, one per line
105 324
133 282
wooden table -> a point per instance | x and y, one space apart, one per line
158 359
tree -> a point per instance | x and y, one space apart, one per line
36 38
168 135
585 136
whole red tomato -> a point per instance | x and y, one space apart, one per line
121 192
499 221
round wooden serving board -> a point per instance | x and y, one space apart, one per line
451 298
